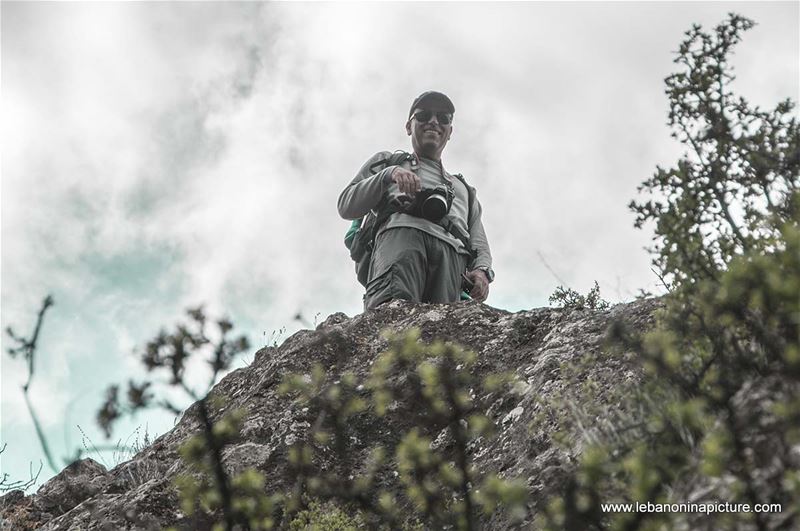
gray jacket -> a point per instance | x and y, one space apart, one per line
374 192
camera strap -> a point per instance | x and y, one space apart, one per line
448 225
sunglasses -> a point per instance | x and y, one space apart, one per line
444 118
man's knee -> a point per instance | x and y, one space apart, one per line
391 284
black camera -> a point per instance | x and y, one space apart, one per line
432 203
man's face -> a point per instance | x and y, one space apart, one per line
428 134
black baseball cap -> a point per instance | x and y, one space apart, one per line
432 101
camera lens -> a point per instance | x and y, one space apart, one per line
434 207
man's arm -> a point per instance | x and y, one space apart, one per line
365 190
478 240
480 269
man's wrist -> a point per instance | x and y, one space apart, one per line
388 172
487 271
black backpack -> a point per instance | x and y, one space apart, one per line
360 237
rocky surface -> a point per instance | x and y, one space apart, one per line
537 345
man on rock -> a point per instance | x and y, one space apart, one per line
431 243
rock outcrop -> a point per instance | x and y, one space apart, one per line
535 344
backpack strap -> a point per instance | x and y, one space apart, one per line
451 227
470 195
394 159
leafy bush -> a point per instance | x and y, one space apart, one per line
570 299
725 356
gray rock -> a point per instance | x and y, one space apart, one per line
78 482
533 344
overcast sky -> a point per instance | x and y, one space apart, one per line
161 155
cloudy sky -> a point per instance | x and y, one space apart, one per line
161 155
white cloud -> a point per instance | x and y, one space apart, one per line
160 155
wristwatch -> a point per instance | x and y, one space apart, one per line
489 273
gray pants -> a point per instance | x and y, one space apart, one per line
412 265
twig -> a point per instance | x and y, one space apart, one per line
541 257
461 440
20 485
215 451
661 278
40 434
28 348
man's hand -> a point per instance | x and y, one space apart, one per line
480 288
407 181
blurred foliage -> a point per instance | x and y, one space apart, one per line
423 477
200 490
169 352
429 389
208 488
718 413
26 349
